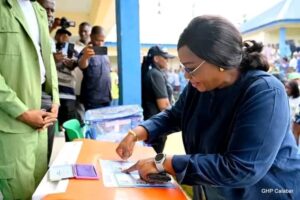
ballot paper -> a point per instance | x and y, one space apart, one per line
114 177
60 172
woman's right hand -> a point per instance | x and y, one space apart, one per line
126 146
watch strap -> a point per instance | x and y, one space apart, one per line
159 164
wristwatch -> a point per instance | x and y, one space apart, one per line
159 161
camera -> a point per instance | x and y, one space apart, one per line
65 23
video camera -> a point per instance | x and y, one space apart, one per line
65 23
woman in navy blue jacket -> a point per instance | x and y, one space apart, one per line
234 118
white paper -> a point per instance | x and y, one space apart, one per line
67 155
114 177
59 172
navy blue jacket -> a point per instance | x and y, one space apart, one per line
236 149
96 82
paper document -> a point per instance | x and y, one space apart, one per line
67 155
57 173
114 177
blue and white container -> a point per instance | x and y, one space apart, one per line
112 123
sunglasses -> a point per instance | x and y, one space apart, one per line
192 71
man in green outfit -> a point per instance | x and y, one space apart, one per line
26 68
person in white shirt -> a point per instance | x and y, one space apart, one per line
292 90
84 33
293 62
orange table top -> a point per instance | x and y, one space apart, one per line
91 152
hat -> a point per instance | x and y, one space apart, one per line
63 31
157 51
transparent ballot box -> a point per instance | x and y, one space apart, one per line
112 123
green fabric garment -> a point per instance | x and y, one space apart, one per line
23 150
20 84
23 166
114 85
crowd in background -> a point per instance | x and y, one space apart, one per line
286 67
80 71
283 62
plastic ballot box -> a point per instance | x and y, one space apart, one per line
112 123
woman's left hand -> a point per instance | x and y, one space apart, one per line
144 167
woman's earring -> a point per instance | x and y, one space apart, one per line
221 69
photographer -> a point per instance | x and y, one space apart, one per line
63 22
95 65
66 61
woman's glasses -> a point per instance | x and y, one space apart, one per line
192 71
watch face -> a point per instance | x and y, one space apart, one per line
159 156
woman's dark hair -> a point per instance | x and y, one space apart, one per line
294 89
146 65
147 62
217 41
252 58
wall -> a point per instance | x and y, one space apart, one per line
294 33
271 36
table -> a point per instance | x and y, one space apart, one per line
90 151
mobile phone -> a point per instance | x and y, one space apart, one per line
100 50
161 177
